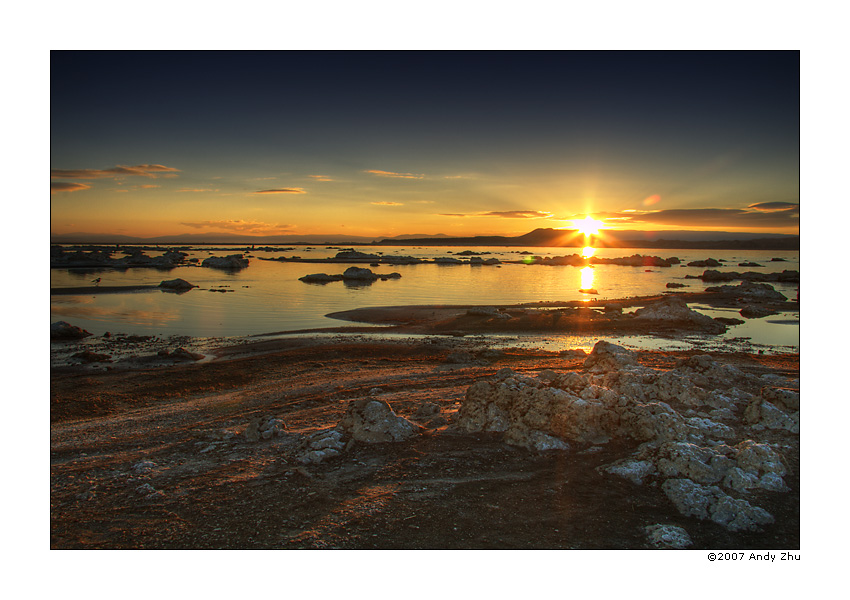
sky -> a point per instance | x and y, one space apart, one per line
380 144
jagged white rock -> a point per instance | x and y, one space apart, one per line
712 503
371 420
676 416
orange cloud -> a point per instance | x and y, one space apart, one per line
387 203
64 186
282 191
320 177
397 175
774 206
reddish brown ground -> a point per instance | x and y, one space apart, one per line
445 489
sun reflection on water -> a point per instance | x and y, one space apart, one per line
587 274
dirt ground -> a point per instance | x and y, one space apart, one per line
157 457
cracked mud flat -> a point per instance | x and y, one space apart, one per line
159 458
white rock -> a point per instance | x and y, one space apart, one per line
371 420
668 536
633 470
711 503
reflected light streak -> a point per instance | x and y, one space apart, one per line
587 278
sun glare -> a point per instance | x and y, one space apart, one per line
588 225
588 251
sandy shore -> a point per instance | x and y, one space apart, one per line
159 455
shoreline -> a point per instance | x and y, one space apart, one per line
584 319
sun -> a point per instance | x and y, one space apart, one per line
588 225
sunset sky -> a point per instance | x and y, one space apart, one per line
459 143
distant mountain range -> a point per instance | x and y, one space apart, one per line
570 238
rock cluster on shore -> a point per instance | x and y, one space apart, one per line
673 309
368 420
786 276
751 291
696 426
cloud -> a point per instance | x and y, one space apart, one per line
65 186
774 206
196 190
114 172
241 226
320 177
387 203
753 216
397 175
507 214
282 191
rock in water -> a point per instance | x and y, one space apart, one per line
233 261
320 278
177 285
359 274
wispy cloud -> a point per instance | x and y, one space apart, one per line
282 191
114 172
238 225
197 190
396 175
387 203
519 214
506 214
320 177
65 186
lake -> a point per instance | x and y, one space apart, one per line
268 297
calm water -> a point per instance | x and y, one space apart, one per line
268 297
